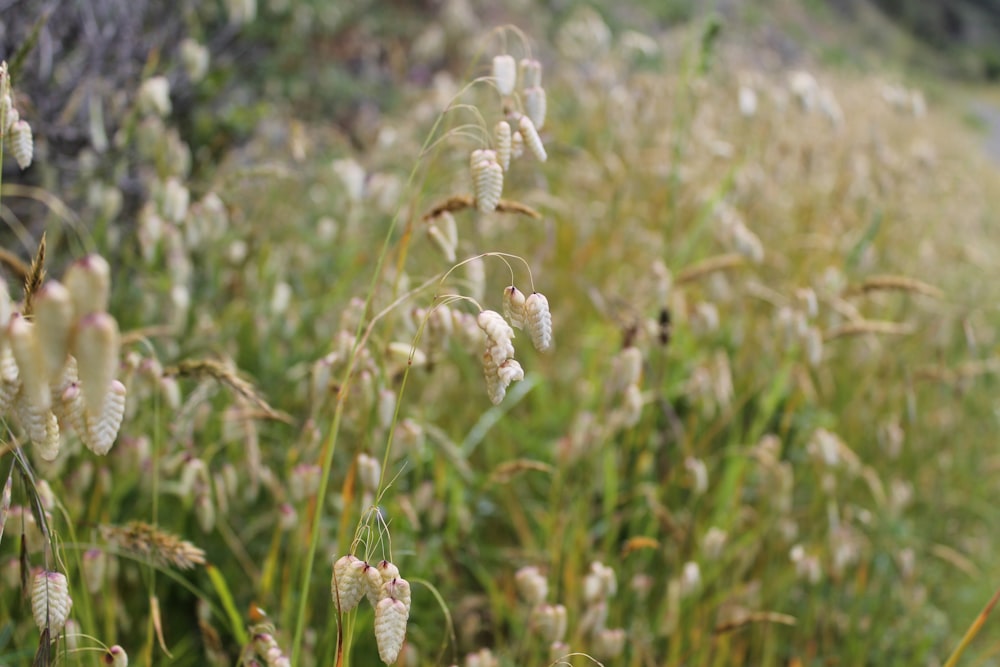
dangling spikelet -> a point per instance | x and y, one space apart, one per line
21 144
504 73
50 601
30 362
531 73
89 282
531 585
54 317
347 586
372 583
73 411
48 447
116 657
535 105
502 137
102 430
510 371
538 321
487 178
516 145
500 336
10 381
440 241
531 138
96 346
391 614
513 306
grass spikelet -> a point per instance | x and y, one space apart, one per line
347 585
504 73
538 321
535 105
709 266
153 544
89 282
513 306
531 138
508 470
96 346
224 375
116 657
54 317
102 429
487 178
30 363
22 144
892 283
863 327
50 601
390 628
502 138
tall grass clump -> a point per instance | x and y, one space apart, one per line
609 350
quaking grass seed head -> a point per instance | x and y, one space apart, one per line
487 179
504 73
50 600
513 306
538 321
531 139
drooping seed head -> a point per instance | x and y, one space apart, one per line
487 177
504 73
22 144
531 72
531 139
96 346
89 282
538 321
502 137
30 362
536 105
347 586
513 306
54 317
531 585
390 628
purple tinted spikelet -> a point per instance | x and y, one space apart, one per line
96 346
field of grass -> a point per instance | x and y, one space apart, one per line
763 433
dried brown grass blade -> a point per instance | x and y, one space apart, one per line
755 617
154 611
506 471
894 283
199 368
462 202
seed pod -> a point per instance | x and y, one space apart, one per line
531 73
504 73
347 587
22 144
372 583
538 321
531 585
535 105
391 614
50 601
517 145
89 282
510 371
95 566
513 306
487 177
116 657
96 346
502 137
531 138
495 327
103 429
54 317
369 472
30 362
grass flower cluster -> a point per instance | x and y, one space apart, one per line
749 427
